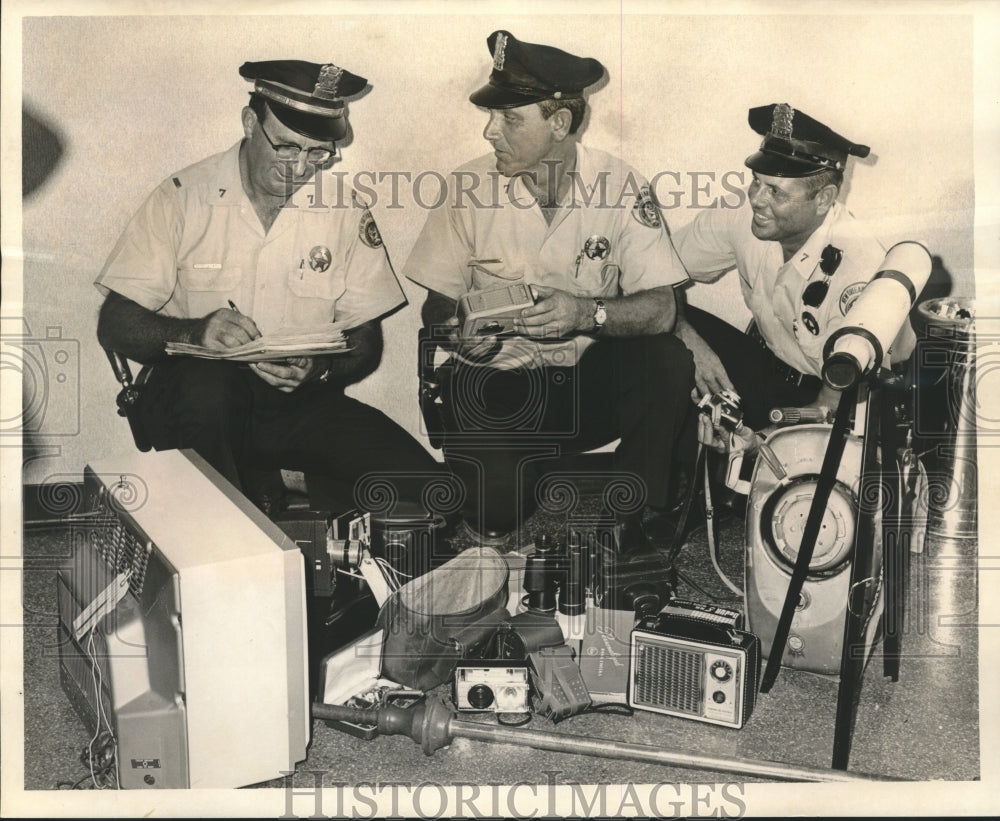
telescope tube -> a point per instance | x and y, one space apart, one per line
855 350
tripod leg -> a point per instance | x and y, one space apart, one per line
900 473
864 586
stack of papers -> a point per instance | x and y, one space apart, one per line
315 341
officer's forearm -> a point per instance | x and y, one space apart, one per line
682 328
641 314
140 334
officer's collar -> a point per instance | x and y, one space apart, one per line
228 183
807 257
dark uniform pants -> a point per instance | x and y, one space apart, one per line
239 424
503 426
755 374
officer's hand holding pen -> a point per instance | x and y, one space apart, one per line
284 374
228 328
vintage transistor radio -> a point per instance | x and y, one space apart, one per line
694 661
492 312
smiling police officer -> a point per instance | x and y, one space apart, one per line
802 260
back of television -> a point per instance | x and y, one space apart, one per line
181 630
125 679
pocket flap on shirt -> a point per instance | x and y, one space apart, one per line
209 278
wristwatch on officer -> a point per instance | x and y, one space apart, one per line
600 315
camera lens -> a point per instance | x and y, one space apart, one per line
480 696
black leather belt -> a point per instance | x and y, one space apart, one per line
782 368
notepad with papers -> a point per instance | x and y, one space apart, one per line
314 341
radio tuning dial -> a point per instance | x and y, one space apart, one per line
718 697
721 671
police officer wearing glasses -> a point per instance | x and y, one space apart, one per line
802 260
240 245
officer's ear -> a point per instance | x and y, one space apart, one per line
560 122
826 197
249 119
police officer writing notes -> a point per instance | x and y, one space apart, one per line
233 247
802 260
592 359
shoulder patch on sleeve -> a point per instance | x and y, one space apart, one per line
849 294
645 210
368 230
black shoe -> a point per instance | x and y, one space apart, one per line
675 526
501 541
632 538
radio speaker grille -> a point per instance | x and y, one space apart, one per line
669 677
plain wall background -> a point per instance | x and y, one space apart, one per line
136 98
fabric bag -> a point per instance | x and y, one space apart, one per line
450 613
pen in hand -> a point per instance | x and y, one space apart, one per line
256 333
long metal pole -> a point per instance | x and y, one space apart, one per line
606 748
433 725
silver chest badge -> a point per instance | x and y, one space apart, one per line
320 258
597 247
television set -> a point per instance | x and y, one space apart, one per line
182 627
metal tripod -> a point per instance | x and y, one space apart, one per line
861 408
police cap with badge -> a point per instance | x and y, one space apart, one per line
526 73
305 97
796 145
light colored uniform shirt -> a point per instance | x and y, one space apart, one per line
197 243
606 239
716 241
